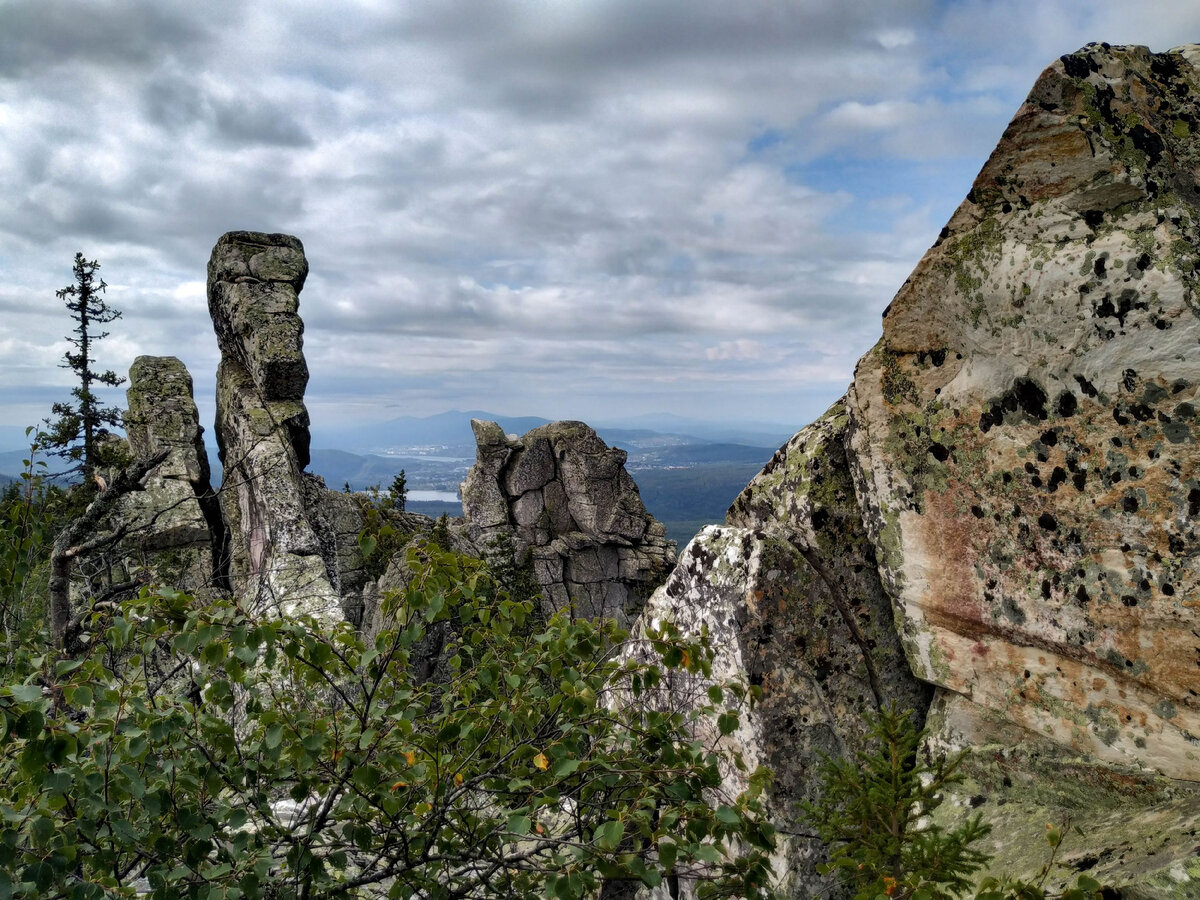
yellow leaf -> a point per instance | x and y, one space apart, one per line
687 660
399 784
458 777
540 761
410 757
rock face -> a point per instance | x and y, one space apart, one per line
1005 502
178 511
254 282
563 496
1025 432
792 597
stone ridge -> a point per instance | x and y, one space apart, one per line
1025 436
563 498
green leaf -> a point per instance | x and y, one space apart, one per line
519 824
608 835
565 767
366 543
668 850
26 693
728 815
273 736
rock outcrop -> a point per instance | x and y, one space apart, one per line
791 595
1025 431
562 496
279 557
1006 499
176 517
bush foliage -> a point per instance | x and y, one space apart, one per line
196 750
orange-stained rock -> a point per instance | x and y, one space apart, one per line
1025 434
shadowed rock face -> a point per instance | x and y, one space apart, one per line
565 498
262 423
1025 433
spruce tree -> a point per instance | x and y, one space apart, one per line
78 427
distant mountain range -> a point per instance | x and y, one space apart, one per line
451 432
688 471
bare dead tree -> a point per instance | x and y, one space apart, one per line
85 535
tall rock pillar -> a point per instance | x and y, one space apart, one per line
254 281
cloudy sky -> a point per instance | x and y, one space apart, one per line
569 208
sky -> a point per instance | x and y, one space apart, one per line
589 209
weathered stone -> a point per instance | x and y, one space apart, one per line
177 512
253 284
564 495
1025 432
1137 830
754 594
290 541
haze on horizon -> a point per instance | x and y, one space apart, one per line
570 208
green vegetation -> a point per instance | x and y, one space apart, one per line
383 533
687 499
196 750
31 513
874 814
78 432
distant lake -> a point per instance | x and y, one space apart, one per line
432 496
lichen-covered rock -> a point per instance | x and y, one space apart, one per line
752 592
262 426
254 283
567 502
1138 832
176 518
1025 434
805 496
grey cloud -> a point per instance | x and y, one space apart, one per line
45 34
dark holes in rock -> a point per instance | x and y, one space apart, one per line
1057 477
1047 522
1089 389
1067 404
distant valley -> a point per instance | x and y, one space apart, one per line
688 471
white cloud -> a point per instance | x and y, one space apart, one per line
557 208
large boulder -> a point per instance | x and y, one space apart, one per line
1004 504
1025 432
791 595
561 498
